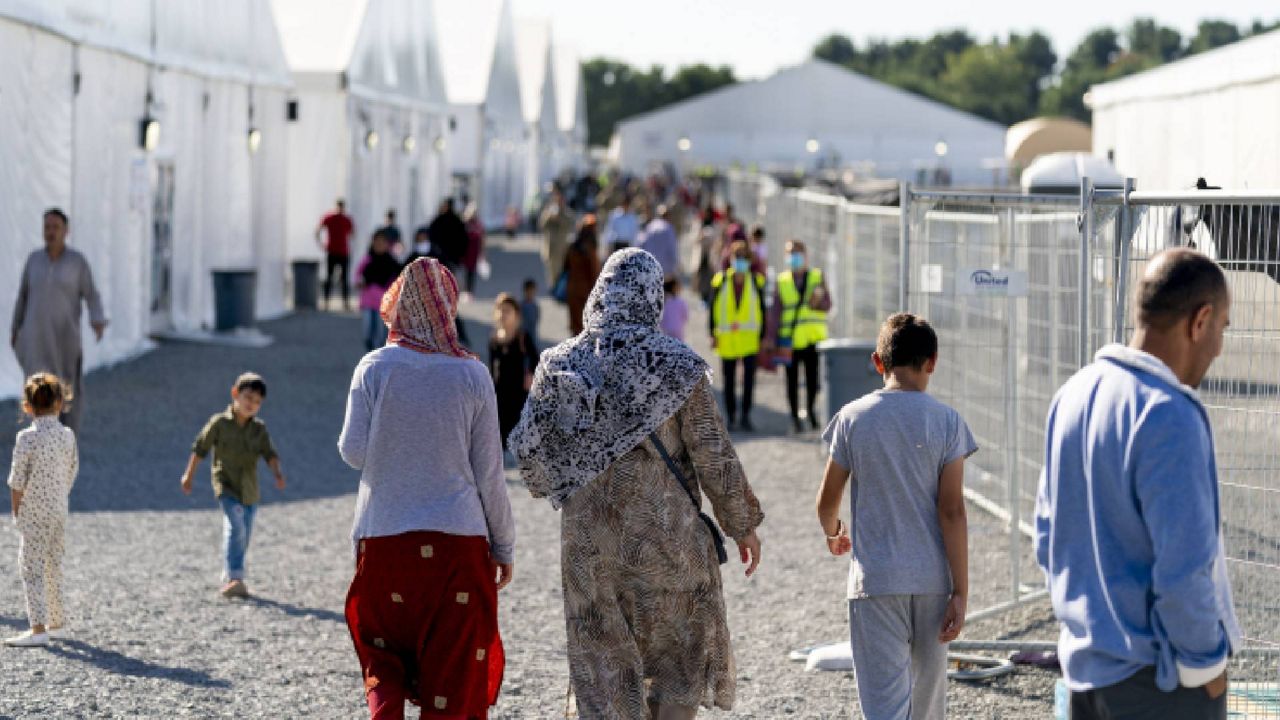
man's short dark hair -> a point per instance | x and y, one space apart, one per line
530 284
57 212
1177 284
906 340
757 231
252 382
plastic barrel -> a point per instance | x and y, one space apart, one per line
306 284
234 294
847 371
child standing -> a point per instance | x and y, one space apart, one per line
530 313
237 438
377 270
513 357
45 463
675 311
908 577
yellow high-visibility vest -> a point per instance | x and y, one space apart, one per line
738 321
811 325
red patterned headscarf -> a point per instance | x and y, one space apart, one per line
420 307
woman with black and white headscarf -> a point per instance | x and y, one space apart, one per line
621 432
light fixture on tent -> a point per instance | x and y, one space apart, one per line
940 148
812 146
255 140
409 144
439 143
371 139
148 133
684 144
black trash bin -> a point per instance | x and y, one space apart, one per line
234 297
306 284
848 372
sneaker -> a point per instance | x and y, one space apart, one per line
235 589
813 422
59 633
796 427
746 426
28 639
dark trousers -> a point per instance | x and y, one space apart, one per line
730 368
341 264
1138 698
807 357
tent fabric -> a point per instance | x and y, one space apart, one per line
1198 117
76 88
1062 172
1032 138
489 142
854 119
538 96
231 39
571 108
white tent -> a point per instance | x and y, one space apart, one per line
571 100
372 120
79 78
538 100
488 146
816 113
1212 115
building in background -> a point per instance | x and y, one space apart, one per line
570 150
161 129
812 116
488 144
1212 115
1030 139
371 115
538 99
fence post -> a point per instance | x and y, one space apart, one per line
1083 285
904 244
1011 421
1124 225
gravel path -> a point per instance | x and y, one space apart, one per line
153 640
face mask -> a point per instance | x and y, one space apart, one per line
795 260
422 248
741 265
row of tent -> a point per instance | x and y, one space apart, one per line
187 137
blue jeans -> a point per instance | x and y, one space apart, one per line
375 331
237 527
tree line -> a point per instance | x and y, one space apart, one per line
1004 79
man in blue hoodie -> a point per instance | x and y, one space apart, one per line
1128 523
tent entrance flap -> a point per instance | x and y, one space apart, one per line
162 194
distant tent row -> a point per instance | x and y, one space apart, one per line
186 137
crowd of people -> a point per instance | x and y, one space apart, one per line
619 429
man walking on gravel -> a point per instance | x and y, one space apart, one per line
46 316
1128 521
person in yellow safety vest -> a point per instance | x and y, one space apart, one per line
737 329
797 323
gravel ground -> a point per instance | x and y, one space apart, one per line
154 640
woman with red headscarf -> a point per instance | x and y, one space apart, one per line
433 533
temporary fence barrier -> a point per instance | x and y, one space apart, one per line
1023 290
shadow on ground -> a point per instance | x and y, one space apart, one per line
121 664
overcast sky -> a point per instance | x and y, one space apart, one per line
757 37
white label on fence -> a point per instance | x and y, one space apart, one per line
931 279
989 281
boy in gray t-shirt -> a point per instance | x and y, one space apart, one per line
902 452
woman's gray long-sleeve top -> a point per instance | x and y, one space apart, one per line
423 431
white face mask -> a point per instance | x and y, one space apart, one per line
422 248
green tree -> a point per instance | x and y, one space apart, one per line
616 90
1212 34
1147 38
1085 66
835 48
991 81
1034 51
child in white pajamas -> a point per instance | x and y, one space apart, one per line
45 462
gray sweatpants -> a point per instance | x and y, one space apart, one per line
900 666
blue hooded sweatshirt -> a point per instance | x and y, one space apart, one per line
1128 527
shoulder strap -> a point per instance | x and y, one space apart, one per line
675 469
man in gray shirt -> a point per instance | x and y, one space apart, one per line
46 317
902 452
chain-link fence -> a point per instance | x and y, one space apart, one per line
1006 280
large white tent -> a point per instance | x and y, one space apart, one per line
371 115
538 99
489 144
814 113
1212 115
79 77
571 99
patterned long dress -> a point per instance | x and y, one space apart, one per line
643 598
